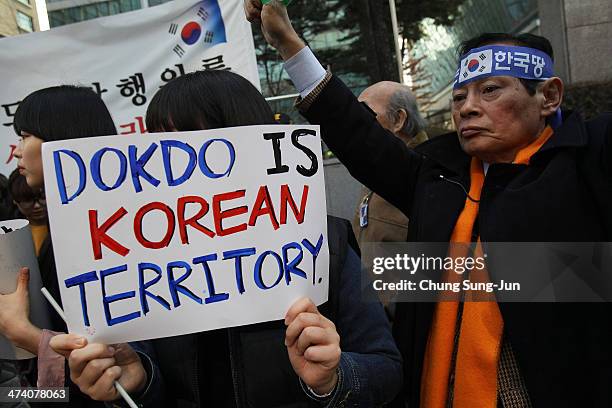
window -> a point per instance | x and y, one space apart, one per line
26 2
24 22
90 11
157 2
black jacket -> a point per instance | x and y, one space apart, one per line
564 195
262 375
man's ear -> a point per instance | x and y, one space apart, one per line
552 91
402 117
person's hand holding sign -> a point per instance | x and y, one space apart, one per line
313 345
275 25
95 367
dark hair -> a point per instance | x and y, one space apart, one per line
5 195
523 40
207 100
18 187
63 112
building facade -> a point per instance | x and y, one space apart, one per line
62 12
18 17
437 50
579 30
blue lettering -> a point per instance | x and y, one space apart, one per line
143 286
314 250
202 159
95 168
107 300
166 146
80 281
258 264
175 286
137 166
213 296
238 254
291 266
59 174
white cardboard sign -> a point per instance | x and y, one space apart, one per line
175 233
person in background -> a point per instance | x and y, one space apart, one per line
396 110
7 208
32 206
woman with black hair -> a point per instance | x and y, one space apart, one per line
339 353
55 113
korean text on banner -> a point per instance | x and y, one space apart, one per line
124 58
176 233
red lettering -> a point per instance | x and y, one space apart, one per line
138 225
11 154
99 236
287 198
193 221
263 198
232 212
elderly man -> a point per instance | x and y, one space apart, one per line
396 110
515 170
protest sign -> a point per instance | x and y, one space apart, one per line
17 251
124 58
175 233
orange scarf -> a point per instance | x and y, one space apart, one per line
482 325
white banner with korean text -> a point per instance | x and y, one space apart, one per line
125 58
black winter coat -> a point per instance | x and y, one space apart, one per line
564 350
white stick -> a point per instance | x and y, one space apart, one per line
60 312
57 307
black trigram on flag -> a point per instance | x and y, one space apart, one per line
482 68
482 56
173 28
202 13
465 74
208 37
179 51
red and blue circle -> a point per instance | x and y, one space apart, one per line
473 65
191 33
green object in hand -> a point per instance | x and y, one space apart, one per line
285 2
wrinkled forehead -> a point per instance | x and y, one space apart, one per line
503 60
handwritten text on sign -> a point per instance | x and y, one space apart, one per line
173 233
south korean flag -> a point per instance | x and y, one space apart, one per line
475 64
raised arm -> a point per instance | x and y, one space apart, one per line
372 155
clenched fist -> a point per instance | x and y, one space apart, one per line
275 25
